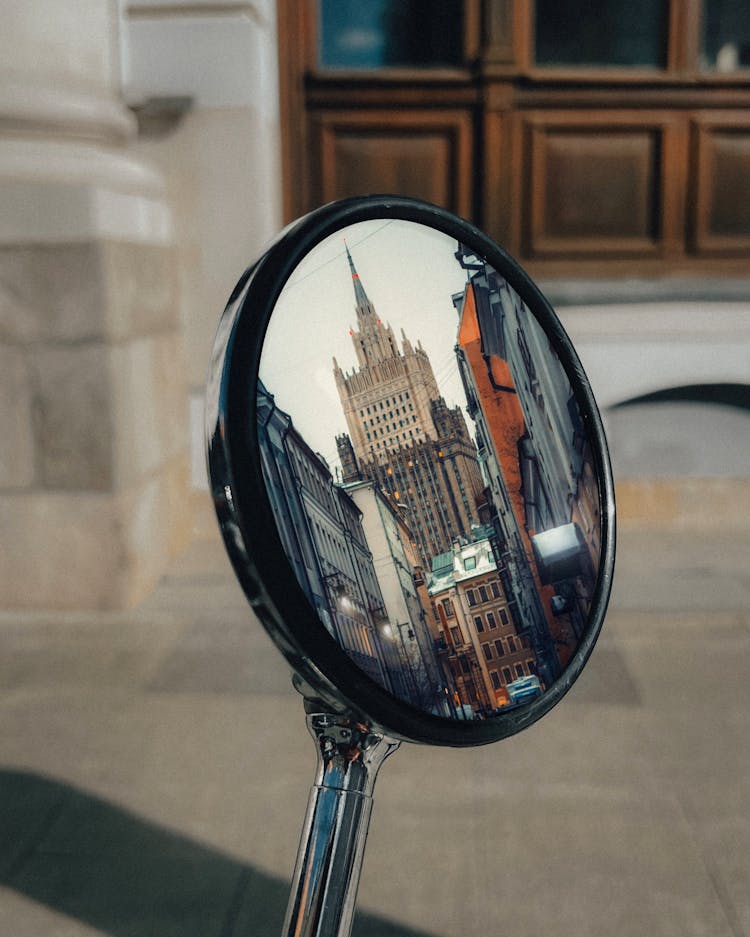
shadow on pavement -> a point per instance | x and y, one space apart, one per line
100 864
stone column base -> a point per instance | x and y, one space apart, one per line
94 473
92 550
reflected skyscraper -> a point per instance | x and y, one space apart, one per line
403 435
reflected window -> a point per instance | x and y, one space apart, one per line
726 36
390 34
602 33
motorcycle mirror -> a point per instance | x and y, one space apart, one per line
412 481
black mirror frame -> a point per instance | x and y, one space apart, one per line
244 510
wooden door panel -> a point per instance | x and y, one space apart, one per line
573 169
424 154
601 184
720 220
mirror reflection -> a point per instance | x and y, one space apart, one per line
428 469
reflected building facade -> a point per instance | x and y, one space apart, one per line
530 442
403 435
456 571
405 632
475 626
321 534
366 601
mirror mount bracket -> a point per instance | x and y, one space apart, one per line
316 701
329 861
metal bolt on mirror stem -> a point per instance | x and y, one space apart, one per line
329 861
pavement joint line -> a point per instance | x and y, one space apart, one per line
723 897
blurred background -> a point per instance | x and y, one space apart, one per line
148 151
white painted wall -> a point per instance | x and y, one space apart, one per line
628 350
679 439
222 162
632 349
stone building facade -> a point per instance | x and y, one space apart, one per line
403 435
534 456
349 549
475 627
322 536
406 631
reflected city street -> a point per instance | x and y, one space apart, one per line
430 475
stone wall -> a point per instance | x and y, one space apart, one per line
93 402
93 421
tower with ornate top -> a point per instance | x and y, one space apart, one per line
403 434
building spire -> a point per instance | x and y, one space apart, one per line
363 303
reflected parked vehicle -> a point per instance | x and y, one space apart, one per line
524 689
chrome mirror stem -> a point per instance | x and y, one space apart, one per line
329 861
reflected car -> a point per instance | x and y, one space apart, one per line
524 689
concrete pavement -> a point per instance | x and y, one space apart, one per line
154 769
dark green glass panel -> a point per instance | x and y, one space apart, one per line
601 33
390 34
726 35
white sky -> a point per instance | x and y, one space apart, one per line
409 274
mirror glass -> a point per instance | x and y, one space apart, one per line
428 469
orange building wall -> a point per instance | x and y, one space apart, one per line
505 422
502 410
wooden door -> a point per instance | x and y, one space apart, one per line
584 145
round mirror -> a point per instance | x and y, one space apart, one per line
410 472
